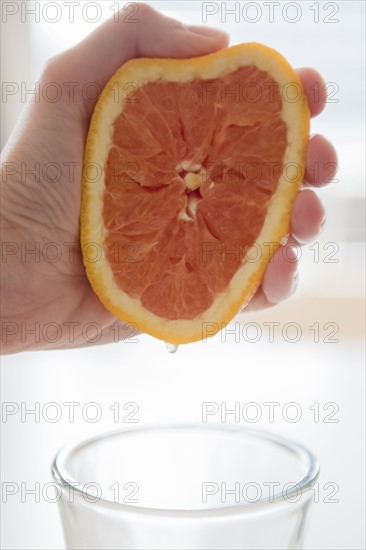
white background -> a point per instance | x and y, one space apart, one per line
171 388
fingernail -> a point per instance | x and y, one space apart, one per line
322 225
207 31
295 282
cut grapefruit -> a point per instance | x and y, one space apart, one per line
190 173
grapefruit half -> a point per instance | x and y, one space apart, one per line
191 169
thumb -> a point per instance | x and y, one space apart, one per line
143 32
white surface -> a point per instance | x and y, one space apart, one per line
171 388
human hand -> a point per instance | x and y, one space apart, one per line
54 298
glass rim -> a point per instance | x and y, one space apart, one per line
63 479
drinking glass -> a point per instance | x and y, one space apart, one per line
185 487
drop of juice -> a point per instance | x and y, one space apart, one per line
172 348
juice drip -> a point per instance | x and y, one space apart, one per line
172 348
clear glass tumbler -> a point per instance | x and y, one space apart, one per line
185 487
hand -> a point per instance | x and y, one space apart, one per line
46 291
308 215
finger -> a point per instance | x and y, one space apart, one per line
281 278
308 216
314 87
146 33
280 281
321 164
258 302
